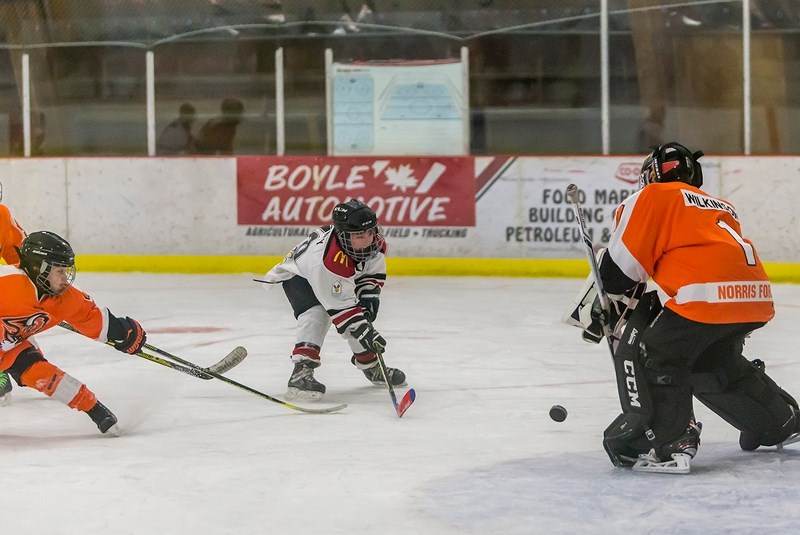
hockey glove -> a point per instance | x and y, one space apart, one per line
620 308
370 307
369 338
126 334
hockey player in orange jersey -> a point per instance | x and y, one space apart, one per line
691 245
11 235
37 295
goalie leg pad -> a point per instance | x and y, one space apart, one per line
743 395
652 378
625 439
632 386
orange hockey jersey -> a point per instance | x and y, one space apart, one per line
23 314
691 244
11 236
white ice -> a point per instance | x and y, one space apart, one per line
477 452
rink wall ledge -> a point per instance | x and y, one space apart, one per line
451 267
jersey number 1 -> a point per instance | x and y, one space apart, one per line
749 253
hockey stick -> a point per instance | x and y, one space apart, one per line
194 370
573 196
643 463
407 399
226 363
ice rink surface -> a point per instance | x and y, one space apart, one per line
476 454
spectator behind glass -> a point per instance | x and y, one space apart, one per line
216 136
651 132
177 137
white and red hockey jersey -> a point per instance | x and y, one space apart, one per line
338 282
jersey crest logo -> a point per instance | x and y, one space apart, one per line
336 288
17 329
341 258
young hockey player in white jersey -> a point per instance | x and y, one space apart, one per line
335 277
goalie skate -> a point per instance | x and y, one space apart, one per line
681 463
791 440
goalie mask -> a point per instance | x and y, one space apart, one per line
49 261
357 230
672 162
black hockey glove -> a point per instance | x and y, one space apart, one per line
126 334
370 307
369 338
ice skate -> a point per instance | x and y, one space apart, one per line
302 384
5 388
674 457
104 419
396 377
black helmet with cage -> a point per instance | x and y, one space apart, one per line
40 252
672 162
354 217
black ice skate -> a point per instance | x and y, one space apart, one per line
302 384
396 377
674 457
5 388
104 419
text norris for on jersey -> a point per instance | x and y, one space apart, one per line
302 191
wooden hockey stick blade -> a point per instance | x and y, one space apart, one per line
229 361
405 402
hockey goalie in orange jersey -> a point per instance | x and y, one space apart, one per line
689 243
37 295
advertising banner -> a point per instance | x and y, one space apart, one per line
275 192
523 211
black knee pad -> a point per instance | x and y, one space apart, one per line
24 361
748 399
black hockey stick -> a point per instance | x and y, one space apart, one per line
213 374
573 196
408 398
194 370
230 361
226 363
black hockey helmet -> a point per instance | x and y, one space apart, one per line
351 217
672 162
40 252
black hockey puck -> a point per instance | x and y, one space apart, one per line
558 413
